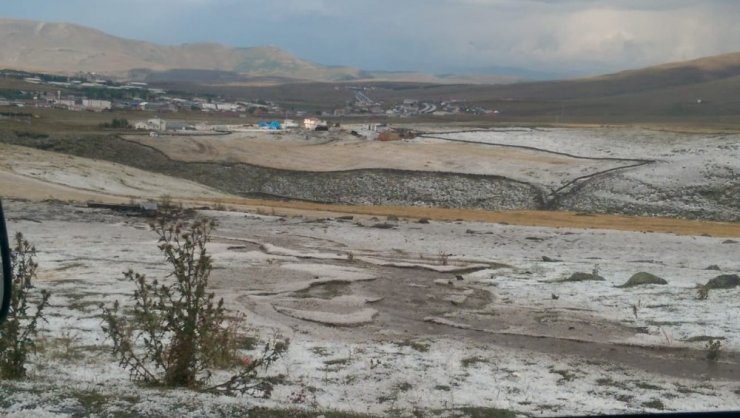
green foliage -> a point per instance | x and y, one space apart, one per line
32 135
17 334
116 124
178 331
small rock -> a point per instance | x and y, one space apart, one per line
643 278
724 281
555 297
383 225
729 241
582 277
456 299
459 277
713 267
423 221
391 218
547 259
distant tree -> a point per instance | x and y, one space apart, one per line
120 123
116 124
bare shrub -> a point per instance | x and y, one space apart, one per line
713 348
702 292
17 334
178 332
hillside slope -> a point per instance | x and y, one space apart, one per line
68 48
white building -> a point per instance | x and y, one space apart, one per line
227 107
290 124
97 105
312 123
155 124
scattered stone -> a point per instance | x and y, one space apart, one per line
538 239
703 338
713 267
654 404
724 281
459 277
555 297
643 278
383 225
729 241
583 277
456 299
547 259
423 221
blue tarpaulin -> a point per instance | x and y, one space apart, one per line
273 125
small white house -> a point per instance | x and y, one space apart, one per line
154 124
290 124
312 123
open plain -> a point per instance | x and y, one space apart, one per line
427 307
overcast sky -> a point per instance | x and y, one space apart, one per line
562 36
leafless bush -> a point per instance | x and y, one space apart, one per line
178 331
713 347
702 292
17 334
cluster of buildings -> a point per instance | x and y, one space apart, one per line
56 100
363 104
158 125
89 92
92 93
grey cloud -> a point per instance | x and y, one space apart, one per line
575 36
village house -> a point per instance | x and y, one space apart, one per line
313 123
154 124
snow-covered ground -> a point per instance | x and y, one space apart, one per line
25 172
449 314
690 174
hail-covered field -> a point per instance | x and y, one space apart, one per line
389 317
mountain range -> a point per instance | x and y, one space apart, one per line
64 48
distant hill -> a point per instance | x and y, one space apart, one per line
63 48
69 48
665 76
